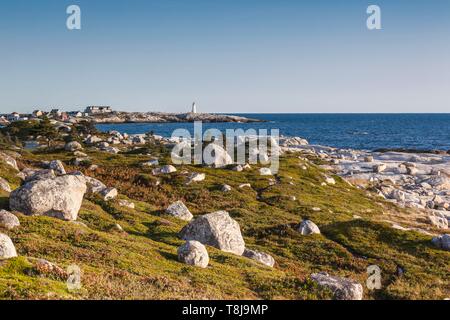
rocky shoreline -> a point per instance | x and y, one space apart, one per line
410 179
161 117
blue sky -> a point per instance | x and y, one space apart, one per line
229 56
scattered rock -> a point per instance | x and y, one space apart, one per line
245 185
8 220
10 161
59 197
4 185
265 172
73 146
368 159
226 188
46 267
7 249
442 242
193 253
196 177
379 168
261 257
180 211
126 203
438 221
308 227
151 163
330 180
57 166
164 170
342 288
216 229
109 193
80 154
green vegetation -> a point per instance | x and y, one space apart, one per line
141 263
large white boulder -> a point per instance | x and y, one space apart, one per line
342 288
179 210
59 197
193 253
7 249
164 170
216 229
308 227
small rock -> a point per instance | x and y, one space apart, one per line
196 177
342 288
10 161
73 146
379 168
368 159
118 227
237 168
126 203
226 188
179 210
261 257
308 227
330 180
265 172
442 242
7 249
193 253
164 170
80 154
151 163
58 167
109 193
245 185
8 220
4 185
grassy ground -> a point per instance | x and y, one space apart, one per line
141 262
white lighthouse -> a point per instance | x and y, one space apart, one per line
194 108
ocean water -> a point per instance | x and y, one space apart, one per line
357 131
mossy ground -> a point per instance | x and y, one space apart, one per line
141 263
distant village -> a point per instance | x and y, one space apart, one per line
55 114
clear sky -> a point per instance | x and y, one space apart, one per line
228 55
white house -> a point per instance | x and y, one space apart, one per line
98 109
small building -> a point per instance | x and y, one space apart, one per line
98 109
